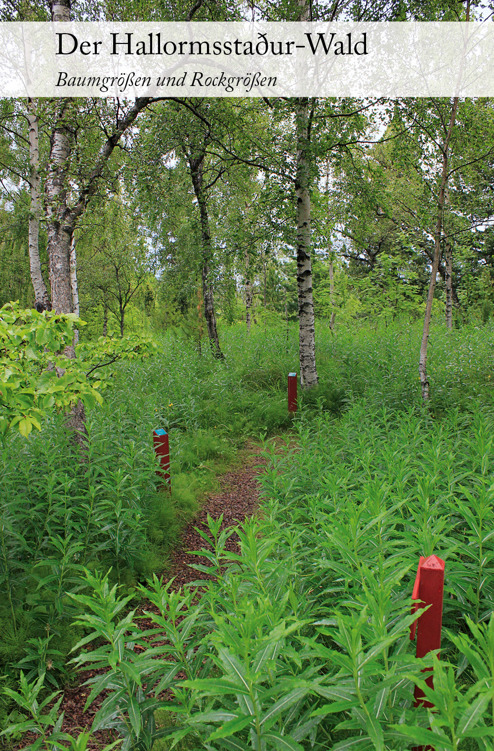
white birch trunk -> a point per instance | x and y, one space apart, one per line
41 298
248 292
61 222
448 279
73 285
60 10
331 295
73 278
59 217
307 348
424 381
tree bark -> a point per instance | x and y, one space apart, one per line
59 217
41 297
200 307
264 280
448 278
331 294
73 278
248 292
196 165
424 381
307 349
61 223
73 285
60 10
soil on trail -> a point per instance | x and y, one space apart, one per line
237 499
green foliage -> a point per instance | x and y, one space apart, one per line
326 573
104 351
113 265
304 636
58 514
325 397
41 659
134 667
14 262
43 719
35 376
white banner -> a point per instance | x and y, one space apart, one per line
246 59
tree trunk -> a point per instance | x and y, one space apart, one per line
41 297
424 381
73 285
248 292
122 320
448 263
442 274
200 307
59 216
196 164
60 246
60 10
209 314
61 222
307 349
287 326
264 280
331 294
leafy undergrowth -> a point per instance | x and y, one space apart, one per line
60 515
303 642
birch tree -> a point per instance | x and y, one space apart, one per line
190 132
41 297
438 126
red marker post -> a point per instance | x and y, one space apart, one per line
162 451
292 392
428 587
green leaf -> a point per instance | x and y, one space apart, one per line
231 727
232 744
134 716
282 742
283 704
425 737
233 666
25 426
473 714
352 743
219 687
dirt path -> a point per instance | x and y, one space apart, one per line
237 499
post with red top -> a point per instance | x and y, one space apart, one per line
162 451
428 587
292 392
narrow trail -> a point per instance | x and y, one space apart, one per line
237 500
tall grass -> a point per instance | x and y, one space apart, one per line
302 641
316 608
59 514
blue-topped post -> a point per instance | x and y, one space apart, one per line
162 451
292 392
